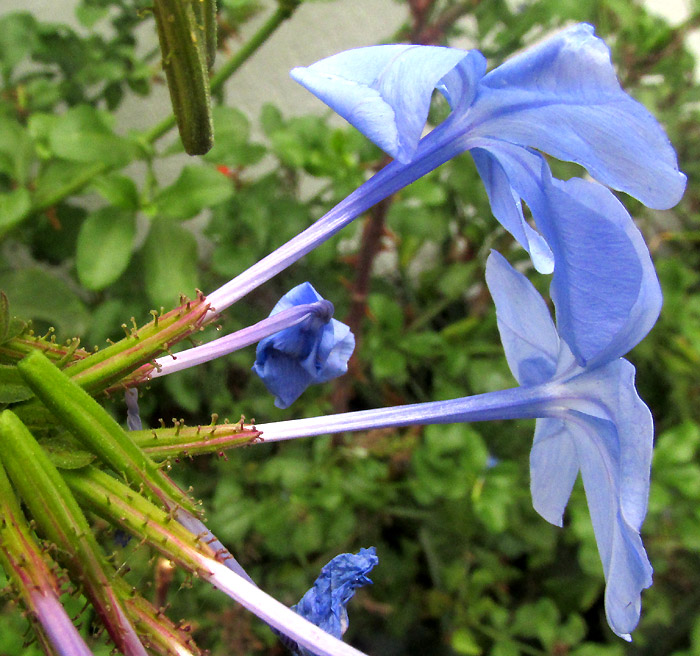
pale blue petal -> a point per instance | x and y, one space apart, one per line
384 91
604 287
507 208
553 469
336 347
563 97
528 334
325 604
282 375
460 85
609 287
625 563
310 352
608 392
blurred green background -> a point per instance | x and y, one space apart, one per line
101 221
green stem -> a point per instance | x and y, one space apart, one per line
284 11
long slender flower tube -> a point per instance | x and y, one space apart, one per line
300 344
589 419
561 97
33 578
117 503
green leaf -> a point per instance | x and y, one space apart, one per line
14 207
12 387
58 178
464 642
37 294
104 247
197 187
84 134
170 263
118 190
17 39
232 146
88 15
271 119
16 150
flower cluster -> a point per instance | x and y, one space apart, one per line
560 98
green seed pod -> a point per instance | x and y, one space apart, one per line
183 44
205 15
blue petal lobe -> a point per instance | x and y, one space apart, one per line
563 97
608 296
313 351
608 392
325 604
459 85
384 91
625 563
527 332
507 208
604 288
553 469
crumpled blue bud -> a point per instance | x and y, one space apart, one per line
325 604
315 350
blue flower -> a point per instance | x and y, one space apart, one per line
589 420
315 350
595 424
561 97
325 604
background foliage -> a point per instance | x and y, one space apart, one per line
93 234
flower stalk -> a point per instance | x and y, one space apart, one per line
120 505
33 577
99 432
61 520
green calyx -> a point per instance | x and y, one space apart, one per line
118 364
98 432
185 441
59 517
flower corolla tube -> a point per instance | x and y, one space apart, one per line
590 420
560 97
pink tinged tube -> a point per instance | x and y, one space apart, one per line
59 629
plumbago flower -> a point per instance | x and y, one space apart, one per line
561 97
589 420
315 350
299 344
